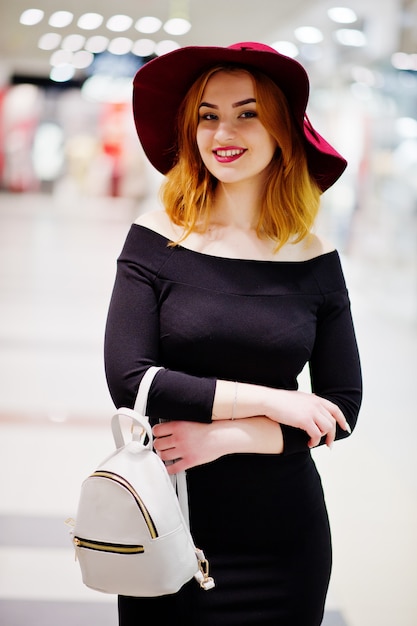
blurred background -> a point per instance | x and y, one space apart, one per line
72 179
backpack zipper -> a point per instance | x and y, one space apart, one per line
124 483
102 546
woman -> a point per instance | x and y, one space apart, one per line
232 294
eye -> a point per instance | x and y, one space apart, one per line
248 114
207 117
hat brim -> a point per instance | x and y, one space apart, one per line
160 86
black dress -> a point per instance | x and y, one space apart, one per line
261 519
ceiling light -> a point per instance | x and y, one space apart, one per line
177 26
73 42
49 41
60 19
82 59
401 61
119 23
342 15
61 57
404 61
286 47
148 24
308 34
62 73
144 47
30 17
406 127
96 44
90 21
165 46
351 37
120 45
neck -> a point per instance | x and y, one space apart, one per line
237 205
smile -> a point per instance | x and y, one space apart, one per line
228 154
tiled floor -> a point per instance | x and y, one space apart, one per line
57 263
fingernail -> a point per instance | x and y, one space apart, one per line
348 428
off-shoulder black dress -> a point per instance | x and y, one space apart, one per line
261 519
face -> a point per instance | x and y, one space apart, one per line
233 144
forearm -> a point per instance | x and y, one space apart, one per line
313 414
257 435
188 444
234 401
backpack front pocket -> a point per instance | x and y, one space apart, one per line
103 546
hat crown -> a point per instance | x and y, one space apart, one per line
252 45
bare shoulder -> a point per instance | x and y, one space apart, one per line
308 248
316 246
159 222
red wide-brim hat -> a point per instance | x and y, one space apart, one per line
160 86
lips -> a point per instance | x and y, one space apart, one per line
227 155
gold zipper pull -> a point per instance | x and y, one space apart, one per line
76 543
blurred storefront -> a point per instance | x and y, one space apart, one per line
54 140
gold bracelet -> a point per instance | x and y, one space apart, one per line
234 402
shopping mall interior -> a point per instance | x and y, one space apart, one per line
73 177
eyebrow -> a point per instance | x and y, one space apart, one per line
234 105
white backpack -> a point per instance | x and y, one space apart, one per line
131 535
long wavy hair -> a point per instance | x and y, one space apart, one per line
291 197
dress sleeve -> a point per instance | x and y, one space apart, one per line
131 342
335 369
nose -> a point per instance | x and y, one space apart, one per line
225 131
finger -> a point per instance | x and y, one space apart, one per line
331 437
343 423
341 420
169 455
327 425
338 415
163 443
176 466
347 427
315 436
162 430
325 422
